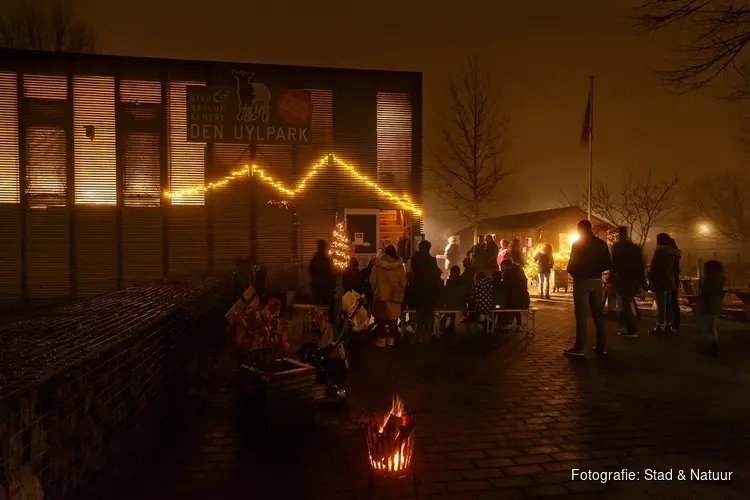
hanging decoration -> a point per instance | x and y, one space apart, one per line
341 247
403 201
280 203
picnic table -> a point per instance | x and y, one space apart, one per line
744 295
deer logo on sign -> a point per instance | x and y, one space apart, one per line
254 98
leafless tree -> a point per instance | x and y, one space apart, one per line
724 201
637 202
708 37
44 25
470 162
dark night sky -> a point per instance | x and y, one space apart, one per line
542 53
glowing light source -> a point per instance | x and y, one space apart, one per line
573 237
705 229
340 250
402 201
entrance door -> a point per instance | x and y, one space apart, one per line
362 227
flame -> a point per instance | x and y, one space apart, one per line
397 410
400 459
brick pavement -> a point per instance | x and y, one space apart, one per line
507 419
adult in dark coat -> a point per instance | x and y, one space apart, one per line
476 253
351 278
322 279
661 278
627 275
426 284
589 259
491 251
404 245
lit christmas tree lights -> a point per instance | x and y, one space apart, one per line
341 248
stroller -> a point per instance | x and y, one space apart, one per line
332 369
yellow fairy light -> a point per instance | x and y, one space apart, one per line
253 170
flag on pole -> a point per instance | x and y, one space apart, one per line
586 132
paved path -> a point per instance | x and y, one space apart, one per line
508 419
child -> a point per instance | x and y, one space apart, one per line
711 301
468 274
481 296
454 297
516 290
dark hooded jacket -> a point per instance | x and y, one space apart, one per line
427 284
628 270
661 273
589 258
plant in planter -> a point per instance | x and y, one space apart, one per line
262 338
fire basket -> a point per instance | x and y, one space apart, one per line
390 440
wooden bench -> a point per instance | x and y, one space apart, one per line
528 318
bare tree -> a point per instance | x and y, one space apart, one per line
639 203
709 38
724 201
470 163
41 25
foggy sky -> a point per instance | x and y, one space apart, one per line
542 53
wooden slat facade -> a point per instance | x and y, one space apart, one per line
89 143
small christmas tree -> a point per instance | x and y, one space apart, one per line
341 251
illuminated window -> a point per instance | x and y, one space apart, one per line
94 140
140 129
140 92
394 140
46 162
45 87
46 139
186 159
322 117
9 191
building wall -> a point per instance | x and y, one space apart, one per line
89 144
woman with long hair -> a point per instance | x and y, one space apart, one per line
388 280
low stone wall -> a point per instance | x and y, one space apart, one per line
86 390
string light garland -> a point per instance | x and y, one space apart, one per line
341 247
281 204
403 201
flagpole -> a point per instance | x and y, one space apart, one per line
591 140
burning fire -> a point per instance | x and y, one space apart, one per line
390 438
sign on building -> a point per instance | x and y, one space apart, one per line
248 112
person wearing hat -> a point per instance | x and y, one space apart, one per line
452 255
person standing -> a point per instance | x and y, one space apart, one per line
388 280
545 260
322 279
504 252
452 255
627 276
589 259
491 252
675 292
516 253
711 302
404 245
426 284
476 253
661 279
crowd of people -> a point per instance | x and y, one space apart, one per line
590 258
493 277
